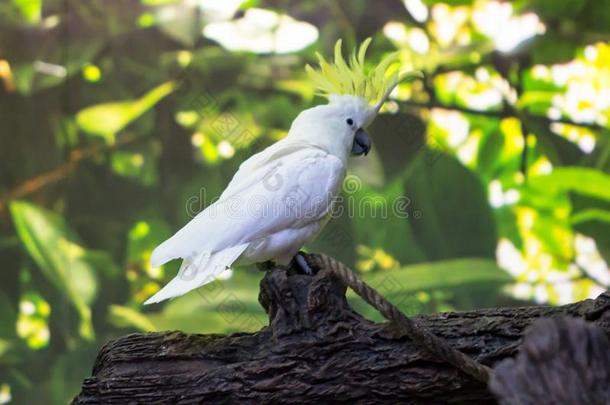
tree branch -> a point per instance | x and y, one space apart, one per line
316 349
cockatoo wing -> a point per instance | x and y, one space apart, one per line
292 187
244 178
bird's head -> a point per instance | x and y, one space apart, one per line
355 97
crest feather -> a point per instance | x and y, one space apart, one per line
350 77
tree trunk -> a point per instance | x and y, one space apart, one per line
316 349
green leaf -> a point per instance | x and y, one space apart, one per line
580 180
455 218
397 139
537 102
506 221
489 156
60 256
29 9
591 215
443 274
383 219
397 285
123 317
552 48
108 119
67 372
249 4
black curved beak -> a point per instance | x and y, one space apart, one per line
362 143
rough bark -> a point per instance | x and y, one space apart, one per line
561 361
316 349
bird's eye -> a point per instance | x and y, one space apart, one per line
350 122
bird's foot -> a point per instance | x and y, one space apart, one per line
266 265
300 263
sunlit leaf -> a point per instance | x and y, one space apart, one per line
537 102
58 252
581 180
30 10
555 235
109 118
591 215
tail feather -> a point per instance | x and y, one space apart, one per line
197 271
162 254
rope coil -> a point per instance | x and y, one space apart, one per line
418 334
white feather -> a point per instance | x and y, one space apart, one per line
195 272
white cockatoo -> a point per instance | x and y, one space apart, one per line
281 198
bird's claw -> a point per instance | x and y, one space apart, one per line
301 262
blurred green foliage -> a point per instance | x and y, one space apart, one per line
119 120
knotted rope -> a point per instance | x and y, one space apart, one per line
418 334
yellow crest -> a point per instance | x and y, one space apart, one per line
349 77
